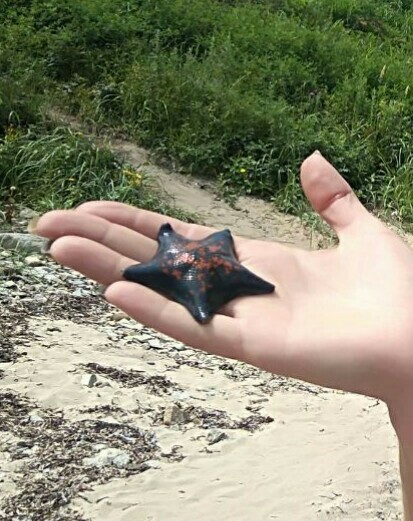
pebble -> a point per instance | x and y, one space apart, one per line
177 346
80 292
108 456
118 316
89 380
215 436
27 214
173 415
179 395
33 260
155 343
143 337
35 418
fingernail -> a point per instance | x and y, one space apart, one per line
32 225
317 152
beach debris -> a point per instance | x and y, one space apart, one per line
154 384
174 415
216 436
34 417
208 418
60 459
89 380
108 456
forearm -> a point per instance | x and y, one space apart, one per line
406 472
402 420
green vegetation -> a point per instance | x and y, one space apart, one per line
239 90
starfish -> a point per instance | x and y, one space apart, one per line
201 275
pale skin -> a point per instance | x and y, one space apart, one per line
340 318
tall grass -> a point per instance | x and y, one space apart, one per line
60 168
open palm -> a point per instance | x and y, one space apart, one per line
341 318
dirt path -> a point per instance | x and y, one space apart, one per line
252 218
306 454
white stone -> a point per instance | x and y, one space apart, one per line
89 380
33 260
108 456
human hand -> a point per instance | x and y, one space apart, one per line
341 318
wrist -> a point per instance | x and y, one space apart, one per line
401 417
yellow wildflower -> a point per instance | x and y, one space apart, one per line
136 181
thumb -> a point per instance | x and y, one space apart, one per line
329 194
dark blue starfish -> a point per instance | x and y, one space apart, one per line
201 275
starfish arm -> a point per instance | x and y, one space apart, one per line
152 276
149 275
242 282
222 243
168 238
199 307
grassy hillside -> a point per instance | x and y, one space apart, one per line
238 90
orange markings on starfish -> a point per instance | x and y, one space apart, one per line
214 248
193 245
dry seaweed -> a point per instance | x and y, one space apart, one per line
65 306
13 328
215 419
52 451
155 384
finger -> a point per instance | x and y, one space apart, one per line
90 258
122 240
220 336
329 194
143 221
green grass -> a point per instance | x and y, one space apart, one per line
60 168
222 87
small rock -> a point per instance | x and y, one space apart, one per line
155 343
215 437
102 383
118 315
178 346
143 337
99 446
35 418
53 329
27 213
22 242
179 395
259 400
9 284
173 415
110 456
89 380
153 464
33 260
79 292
